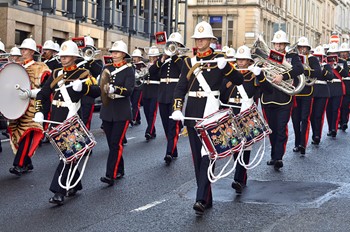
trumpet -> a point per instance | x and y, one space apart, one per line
171 48
88 53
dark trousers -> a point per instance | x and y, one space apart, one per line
135 99
171 128
87 109
22 159
317 116
201 165
115 133
301 113
333 112
344 111
55 187
150 108
241 172
277 117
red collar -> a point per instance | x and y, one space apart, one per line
27 61
204 54
70 68
118 65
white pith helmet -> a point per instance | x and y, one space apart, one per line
69 48
57 47
303 41
280 37
230 52
333 48
344 47
224 49
120 46
319 50
136 53
49 45
153 51
243 52
89 41
176 37
2 47
203 30
29 43
15 51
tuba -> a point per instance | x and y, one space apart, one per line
261 51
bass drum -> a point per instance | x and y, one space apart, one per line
12 76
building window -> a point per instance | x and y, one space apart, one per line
216 24
20 36
230 32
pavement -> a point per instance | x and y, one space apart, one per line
310 193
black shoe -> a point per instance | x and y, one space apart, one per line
28 168
334 133
296 149
154 136
238 187
302 150
168 159
16 170
137 123
148 136
72 192
271 162
329 133
278 165
120 175
0 149
57 199
344 127
125 141
199 207
316 140
5 134
107 180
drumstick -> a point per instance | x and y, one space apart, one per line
53 122
190 118
71 84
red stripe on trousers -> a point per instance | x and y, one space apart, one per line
120 152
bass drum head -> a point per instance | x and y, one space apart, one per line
11 105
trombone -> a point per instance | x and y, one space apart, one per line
228 60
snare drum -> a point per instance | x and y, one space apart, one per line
219 134
252 125
71 139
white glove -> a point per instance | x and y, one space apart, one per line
38 117
137 75
34 92
24 95
221 62
77 86
178 116
255 69
111 89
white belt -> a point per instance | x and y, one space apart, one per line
200 94
114 96
235 100
152 82
169 80
334 80
346 78
59 103
321 82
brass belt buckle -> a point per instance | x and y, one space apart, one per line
198 94
58 103
147 82
167 80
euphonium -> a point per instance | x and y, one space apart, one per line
262 51
88 53
171 48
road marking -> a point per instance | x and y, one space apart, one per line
148 206
5 140
130 138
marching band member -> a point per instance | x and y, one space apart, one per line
277 106
170 69
50 55
344 115
212 77
232 95
301 109
95 67
2 50
117 114
320 95
136 95
150 93
336 87
25 135
15 55
65 104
